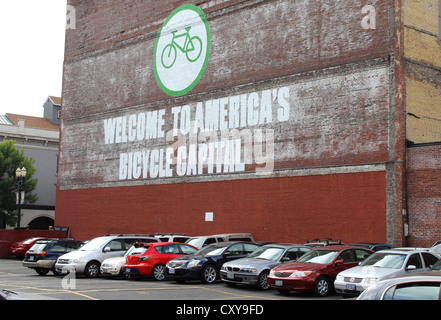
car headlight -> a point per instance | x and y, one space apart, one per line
249 270
300 274
193 263
371 280
340 278
74 260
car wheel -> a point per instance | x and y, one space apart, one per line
55 272
158 272
92 269
209 274
42 272
262 280
321 286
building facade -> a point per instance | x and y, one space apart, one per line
39 137
286 119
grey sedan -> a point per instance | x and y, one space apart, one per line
416 286
254 269
381 265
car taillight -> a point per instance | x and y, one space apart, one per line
144 258
41 254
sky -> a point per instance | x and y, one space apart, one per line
31 54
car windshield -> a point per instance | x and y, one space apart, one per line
213 249
319 256
437 266
38 247
197 242
94 244
385 260
268 253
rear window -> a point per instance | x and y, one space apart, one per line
38 247
139 250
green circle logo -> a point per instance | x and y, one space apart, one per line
181 50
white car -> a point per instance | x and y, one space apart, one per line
381 265
87 260
202 241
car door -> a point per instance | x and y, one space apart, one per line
170 251
114 248
348 259
233 252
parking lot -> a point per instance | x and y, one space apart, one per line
15 277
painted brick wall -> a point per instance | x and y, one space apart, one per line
424 194
345 121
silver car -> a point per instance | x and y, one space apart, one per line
383 265
254 269
414 286
87 260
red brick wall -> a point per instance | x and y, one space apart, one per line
424 194
7 237
350 207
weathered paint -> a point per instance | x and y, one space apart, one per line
338 160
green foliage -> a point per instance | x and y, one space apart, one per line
12 158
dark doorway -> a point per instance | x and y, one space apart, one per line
41 223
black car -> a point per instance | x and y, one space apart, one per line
206 263
44 253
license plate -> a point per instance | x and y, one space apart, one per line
127 269
279 283
350 287
171 271
230 275
31 258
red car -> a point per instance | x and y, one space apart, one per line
19 249
149 259
316 270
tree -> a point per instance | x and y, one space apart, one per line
12 158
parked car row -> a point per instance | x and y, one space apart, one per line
318 266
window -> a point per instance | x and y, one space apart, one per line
347 256
414 291
114 245
361 254
414 260
429 259
187 249
235 249
292 254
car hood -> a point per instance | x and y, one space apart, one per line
191 257
114 260
369 271
252 262
301 266
76 254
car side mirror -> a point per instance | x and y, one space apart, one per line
106 249
286 259
339 262
411 267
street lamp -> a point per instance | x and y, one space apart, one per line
20 174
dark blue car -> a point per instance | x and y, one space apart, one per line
44 253
374 246
205 264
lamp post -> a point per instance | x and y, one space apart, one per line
20 174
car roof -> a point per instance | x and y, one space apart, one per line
417 276
405 250
156 244
285 245
341 247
